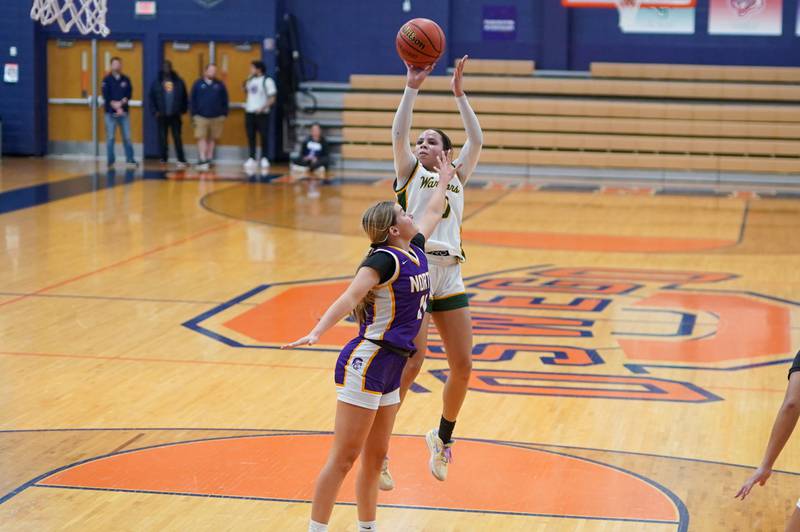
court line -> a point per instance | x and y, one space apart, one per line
743 224
163 360
342 503
306 432
121 298
130 441
202 302
152 251
679 504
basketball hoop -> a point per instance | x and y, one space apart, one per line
628 9
87 16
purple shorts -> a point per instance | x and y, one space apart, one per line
368 375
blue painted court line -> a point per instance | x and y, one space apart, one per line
704 192
567 187
23 198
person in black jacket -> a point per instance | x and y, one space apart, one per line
168 101
314 155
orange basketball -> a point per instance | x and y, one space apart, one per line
420 42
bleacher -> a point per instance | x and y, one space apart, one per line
629 116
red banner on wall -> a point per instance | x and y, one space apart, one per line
745 17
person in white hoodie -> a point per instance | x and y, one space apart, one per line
261 93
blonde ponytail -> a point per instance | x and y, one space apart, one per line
376 223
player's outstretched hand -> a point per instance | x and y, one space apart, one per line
760 476
444 167
457 83
417 75
309 339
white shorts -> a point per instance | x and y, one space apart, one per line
367 375
447 286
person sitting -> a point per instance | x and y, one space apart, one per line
314 155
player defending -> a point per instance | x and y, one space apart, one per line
388 297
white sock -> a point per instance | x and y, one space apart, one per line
313 526
367 526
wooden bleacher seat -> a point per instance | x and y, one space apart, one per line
583 108
756 74
501 67
597 87
685 125
598 142
566 124
604 160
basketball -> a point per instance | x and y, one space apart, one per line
420 42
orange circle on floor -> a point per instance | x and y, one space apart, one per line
486 476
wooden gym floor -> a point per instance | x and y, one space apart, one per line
631 348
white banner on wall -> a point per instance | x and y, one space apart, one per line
662 20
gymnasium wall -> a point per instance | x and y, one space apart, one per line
22 120
357 36
21 104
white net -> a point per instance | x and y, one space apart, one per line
628 9
87 16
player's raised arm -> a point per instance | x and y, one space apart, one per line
437 204
404 159
471 151
365 279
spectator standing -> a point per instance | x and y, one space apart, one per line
209 107
168 101
261 91
117 92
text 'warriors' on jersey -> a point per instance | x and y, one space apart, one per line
414 196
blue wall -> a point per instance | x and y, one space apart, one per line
346 37
466 20
23 121
343 37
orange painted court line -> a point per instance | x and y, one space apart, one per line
628 191
166 360
576 242
497 478
119 263
744 194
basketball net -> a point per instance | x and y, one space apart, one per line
628 9
87 16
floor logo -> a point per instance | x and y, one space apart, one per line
559 331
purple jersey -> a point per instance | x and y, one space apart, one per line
400 302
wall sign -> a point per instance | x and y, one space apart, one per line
499 23
11 72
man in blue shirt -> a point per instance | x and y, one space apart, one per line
117 93
209 109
